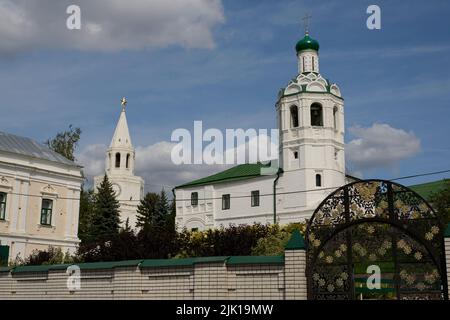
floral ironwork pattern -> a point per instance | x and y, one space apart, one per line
374 222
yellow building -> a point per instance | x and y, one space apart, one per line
39 197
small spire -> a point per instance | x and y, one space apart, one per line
123 102
306 21
121 136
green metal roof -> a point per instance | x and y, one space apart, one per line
307 43
109 265
83 266
180 262
4 269
240 172
240 260
426 190
297 242
40 268
151 263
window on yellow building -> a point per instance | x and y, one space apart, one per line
2 205
46 212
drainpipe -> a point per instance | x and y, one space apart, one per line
275 196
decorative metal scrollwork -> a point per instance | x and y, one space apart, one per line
375 222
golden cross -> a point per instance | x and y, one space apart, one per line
306 21
123 102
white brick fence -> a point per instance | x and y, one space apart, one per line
235 277
219 278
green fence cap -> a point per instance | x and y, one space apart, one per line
297 242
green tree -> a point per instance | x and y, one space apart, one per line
148 210
441 203
106 214
163 208
86 214
65 142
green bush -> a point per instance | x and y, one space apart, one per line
52 255
163 242
232 240
275 242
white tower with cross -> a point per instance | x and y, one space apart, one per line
310 112
119 167
310 119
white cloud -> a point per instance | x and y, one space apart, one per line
108 25
155 166
92 158
153 163
380 146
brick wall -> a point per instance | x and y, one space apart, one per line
256 278
218 278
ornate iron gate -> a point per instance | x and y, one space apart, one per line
375 223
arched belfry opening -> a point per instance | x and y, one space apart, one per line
335 118
316 115
117 164
294 116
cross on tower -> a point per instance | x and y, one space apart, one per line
306 21
123 102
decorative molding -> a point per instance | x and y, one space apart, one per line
49 190
5 183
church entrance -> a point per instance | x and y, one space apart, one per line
375 239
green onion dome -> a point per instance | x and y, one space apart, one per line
307 43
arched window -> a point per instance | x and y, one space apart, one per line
316 115
294 116
128 161
335 119
117 160
318 180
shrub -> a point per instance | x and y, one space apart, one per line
50 256
163 242
233 240
275 242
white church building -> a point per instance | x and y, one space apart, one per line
310 119
119 167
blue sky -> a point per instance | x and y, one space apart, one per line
224 64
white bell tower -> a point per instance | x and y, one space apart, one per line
310 113
119 167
